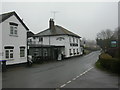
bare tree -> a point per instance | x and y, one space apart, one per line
105 34
109 34
104 38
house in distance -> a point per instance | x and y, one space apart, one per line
64 42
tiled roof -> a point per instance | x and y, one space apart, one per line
58 31
5 16
30 34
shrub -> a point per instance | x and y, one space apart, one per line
105 56
113 52
109 63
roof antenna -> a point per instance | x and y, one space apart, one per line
54 13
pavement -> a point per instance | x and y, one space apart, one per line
78 72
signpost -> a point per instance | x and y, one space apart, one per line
113 43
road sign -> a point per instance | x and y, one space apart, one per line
114 43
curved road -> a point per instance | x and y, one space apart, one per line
50 75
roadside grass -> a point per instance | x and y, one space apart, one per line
87 51
99 66
108 64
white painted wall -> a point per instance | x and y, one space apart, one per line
20 40
0 41
52 40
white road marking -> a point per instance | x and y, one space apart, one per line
68 82
76 77
80 74
63 85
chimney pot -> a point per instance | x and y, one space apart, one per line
51 24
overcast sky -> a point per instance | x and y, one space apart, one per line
83 18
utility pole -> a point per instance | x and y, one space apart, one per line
54 13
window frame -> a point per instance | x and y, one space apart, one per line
22 55
10 52
13 29
40 39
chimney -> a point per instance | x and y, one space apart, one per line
51 24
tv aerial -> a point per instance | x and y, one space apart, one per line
54 14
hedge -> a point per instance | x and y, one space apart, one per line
112 64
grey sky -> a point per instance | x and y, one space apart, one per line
83 18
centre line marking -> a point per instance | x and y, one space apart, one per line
68 82
63 85
76 77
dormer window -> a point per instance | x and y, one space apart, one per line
13 29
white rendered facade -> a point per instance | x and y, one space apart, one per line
14 41
60 40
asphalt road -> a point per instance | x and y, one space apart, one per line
50 75
95 78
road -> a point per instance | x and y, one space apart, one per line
49 75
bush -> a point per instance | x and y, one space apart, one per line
105 56
113 52
109 63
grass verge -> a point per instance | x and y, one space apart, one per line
106 63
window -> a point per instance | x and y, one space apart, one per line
77 40
13 30
77 51
9 53
29 41
70 39
45 53
71 44
40 39
70 52
73 39
36 52
22 51
74 51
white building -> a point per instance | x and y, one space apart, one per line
13 39
58 36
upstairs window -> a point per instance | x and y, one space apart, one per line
70 39
40 39
73 39
77 40
13 28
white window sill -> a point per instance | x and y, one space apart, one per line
13 35
9 59
22 57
